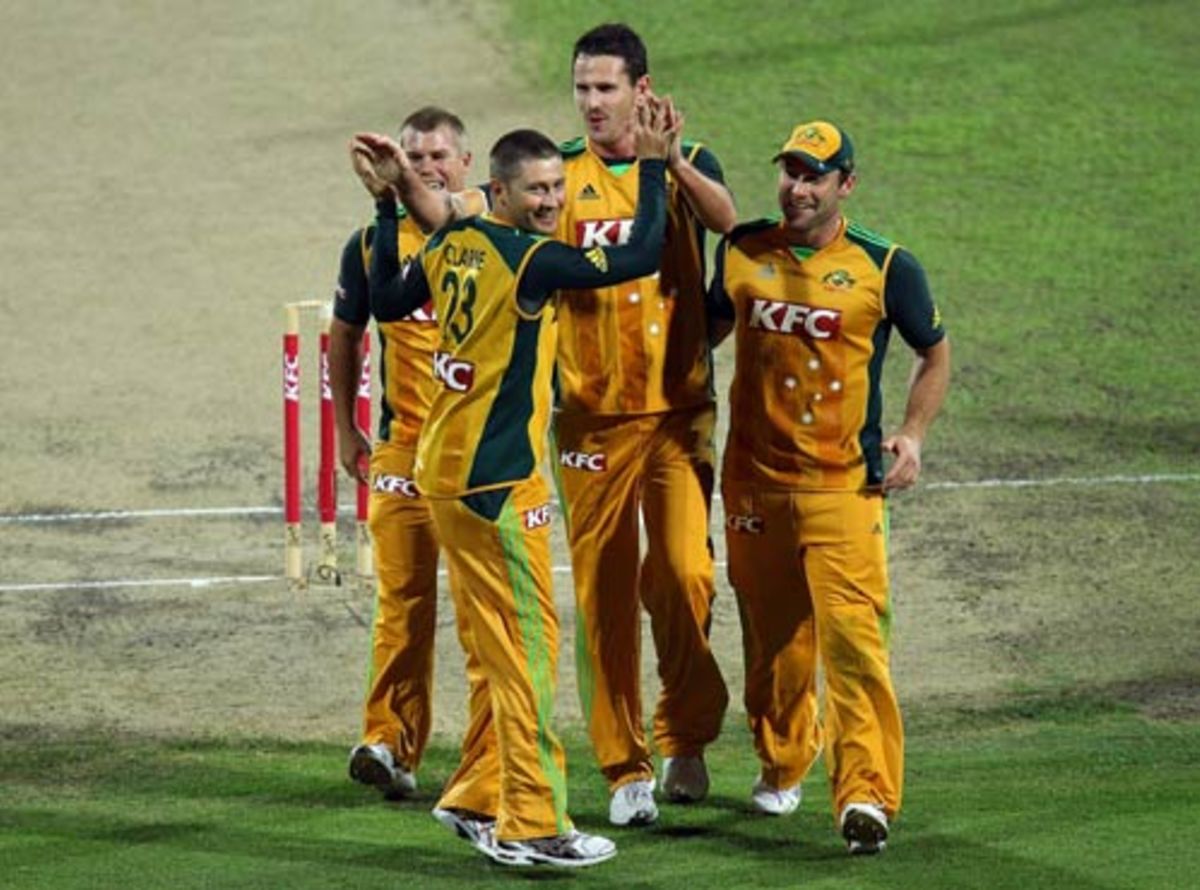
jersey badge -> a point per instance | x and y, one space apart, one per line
838 280
589 193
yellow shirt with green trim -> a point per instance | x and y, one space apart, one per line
640 347
494 362
811 333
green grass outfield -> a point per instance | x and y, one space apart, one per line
1050 794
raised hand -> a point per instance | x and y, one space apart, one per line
379 162
652 137
675 128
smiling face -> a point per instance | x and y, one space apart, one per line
437 156
533 198
606 96
811 201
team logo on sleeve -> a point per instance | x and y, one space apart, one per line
780 317
937 318
456 375
598 258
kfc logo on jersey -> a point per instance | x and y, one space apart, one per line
538 517
795 318
603 232
400 485
457 376
424 313
581 460
748 525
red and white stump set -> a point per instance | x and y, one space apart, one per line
326 569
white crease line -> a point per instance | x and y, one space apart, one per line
1084 480
196 583
202 512
104 515
140 582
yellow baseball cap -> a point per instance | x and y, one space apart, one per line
821 145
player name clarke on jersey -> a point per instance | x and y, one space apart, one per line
780 317
468 257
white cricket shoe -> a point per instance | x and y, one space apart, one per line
685 779
865 828
571 850
774 801
470 826
633 804
374 765
479 831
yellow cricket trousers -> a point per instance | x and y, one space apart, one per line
397 711
498 546
610 470
810 572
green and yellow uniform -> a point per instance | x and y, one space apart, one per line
633 432
398 707
805 517
478 462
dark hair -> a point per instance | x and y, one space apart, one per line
514 149
615 39
429 118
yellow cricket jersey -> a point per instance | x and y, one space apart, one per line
493 364
811 333
640 347
406 364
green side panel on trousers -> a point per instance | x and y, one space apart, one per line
541 669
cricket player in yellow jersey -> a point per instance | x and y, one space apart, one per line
397 711
491 279
633 430
813 299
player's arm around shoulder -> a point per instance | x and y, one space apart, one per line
700 178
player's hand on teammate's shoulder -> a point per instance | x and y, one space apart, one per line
907 464
652 138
